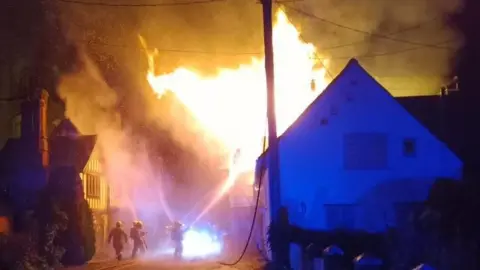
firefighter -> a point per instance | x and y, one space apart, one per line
177 237
119 237
138 238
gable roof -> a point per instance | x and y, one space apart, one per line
64 128
69 148
67 151
439 114
427 110
351 64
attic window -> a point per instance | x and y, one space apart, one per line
409 147
324 121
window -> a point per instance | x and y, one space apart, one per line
340 216
93 185
365 151
409 147
17 126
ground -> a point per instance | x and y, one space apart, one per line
251 263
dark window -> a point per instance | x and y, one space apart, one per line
365 151
409 148
93 186
340 216
324 121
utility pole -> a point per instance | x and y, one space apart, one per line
272 154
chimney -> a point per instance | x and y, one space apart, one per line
34 124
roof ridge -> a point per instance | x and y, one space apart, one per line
351 62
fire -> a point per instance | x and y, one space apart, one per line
232 104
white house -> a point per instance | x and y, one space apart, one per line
356 159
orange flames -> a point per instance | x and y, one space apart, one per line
232 105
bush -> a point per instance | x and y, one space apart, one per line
79 237
37 247
88 230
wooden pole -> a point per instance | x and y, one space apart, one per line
272 154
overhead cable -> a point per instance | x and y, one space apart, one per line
164 4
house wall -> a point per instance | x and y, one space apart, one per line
96 193
312 158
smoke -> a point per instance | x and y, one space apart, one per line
233 29
138 184
403 68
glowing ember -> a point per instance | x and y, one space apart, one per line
232 105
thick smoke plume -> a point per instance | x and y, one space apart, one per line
228 33
137 184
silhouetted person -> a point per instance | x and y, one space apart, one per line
137 236
119 238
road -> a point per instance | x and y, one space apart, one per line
247 264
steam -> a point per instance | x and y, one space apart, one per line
137 183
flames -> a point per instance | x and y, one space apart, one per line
232 105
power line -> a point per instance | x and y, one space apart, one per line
407 29
307 14
385 53
169 4
99 43
223 53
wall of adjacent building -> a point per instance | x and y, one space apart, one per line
96 190
357 157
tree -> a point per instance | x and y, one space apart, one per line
79 237
38 246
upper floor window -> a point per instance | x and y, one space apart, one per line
409 147
365 151
323 121
92 183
